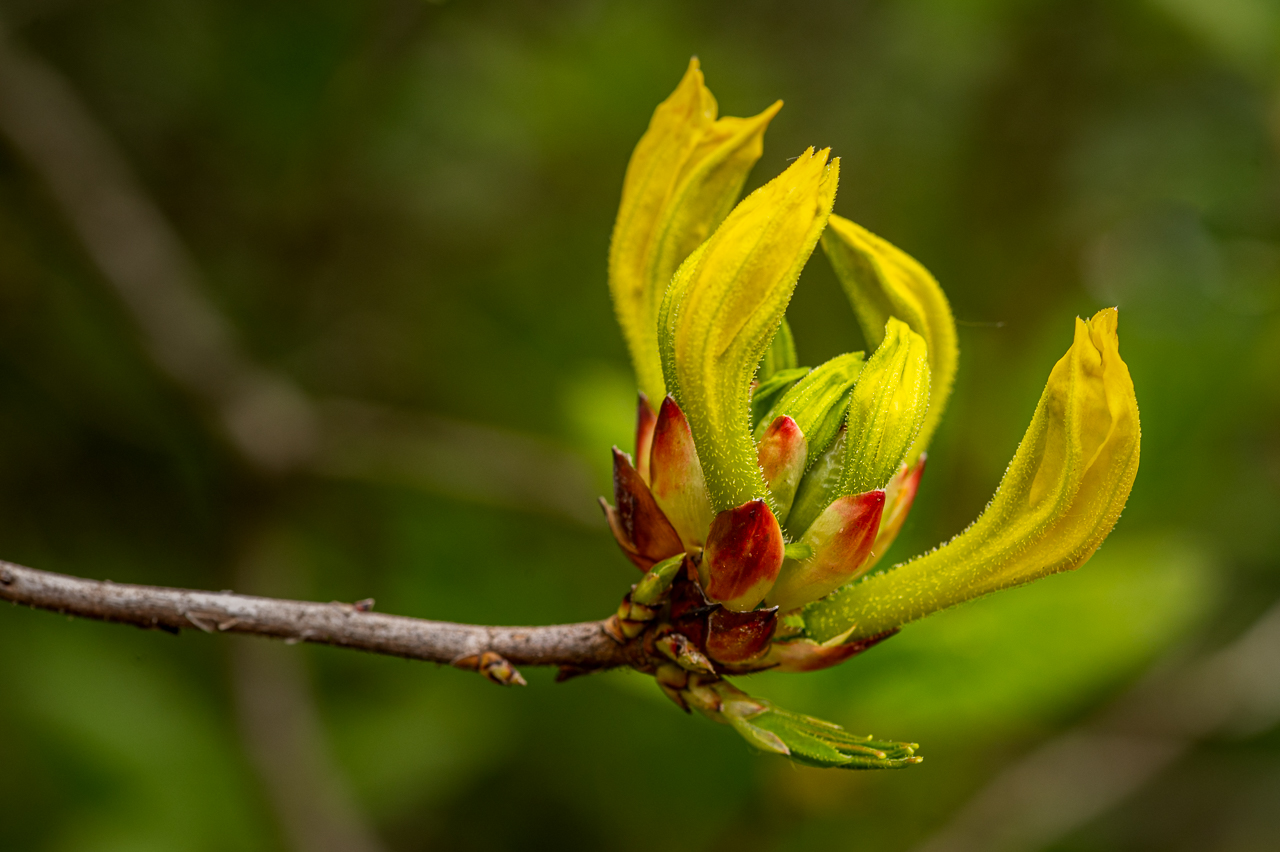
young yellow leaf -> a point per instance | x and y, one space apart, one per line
888 407
723 308
883 281
683 178
1058 500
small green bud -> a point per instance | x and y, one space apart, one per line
654 585
770 390
817 403
819 487
889 404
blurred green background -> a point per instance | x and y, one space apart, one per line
410 204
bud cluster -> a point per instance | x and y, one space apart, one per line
761 492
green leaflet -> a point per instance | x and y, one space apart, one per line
723 309
814 742
817 403
883 281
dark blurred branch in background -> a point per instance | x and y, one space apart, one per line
582 646
268 419
1085 772
278 430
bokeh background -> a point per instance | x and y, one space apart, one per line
401 213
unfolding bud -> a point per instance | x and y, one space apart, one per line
680 650
1058 500
883 281
818 488
676 476
783 451
743 555
840 542
899 494
724 306
817 743
806 655
646 419
889 404
653 586
818 403
681 182
736 637
639 526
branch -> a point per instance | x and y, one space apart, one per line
578 647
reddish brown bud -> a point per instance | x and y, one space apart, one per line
675 475
899 494
639 526
840 541
679 649
743 555
736 637
645 420
782 453
496 668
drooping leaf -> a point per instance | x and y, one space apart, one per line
1058 500
883 281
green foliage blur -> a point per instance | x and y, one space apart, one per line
411 203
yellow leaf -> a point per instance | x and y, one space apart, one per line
723 308
889 405
683 178
1060 497
883 281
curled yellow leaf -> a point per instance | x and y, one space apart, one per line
1060 497
683 178
883 281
